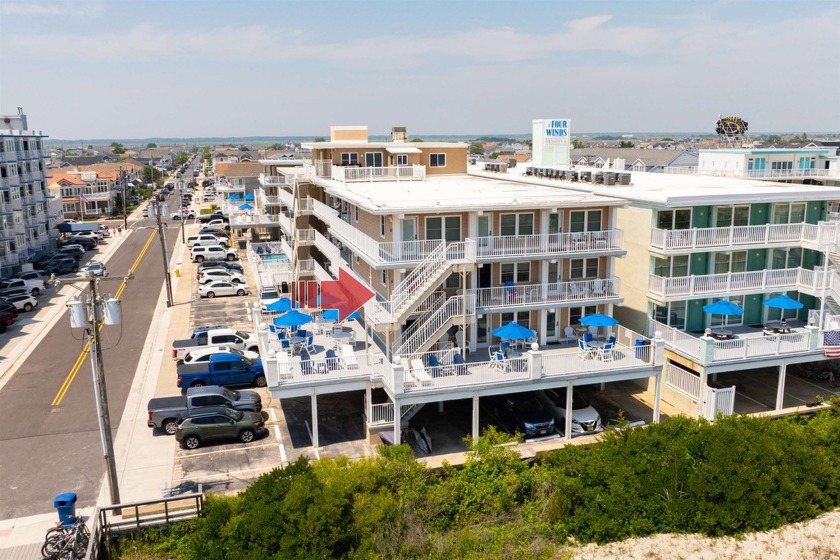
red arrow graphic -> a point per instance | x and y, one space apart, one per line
345 294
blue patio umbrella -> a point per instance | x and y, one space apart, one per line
246 206
293 318
723 307
282 304
513 331
249 197
354 315
598 320
783 301
234 197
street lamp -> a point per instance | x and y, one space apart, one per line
92 315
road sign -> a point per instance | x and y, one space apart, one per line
345 294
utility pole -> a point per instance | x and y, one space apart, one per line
95 345
166 276
124 195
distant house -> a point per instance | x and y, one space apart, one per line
635 159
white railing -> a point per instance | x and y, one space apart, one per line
416 280
271 200
425 333
683 381
432 304
305 205
676 339
753 173
320 370
829 322
550 243
702 238
407 251
305 235
360 242
357 174
710 284
467 375
381 413
555 292
272 180
745 348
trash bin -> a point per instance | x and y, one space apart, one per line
66 506
640 344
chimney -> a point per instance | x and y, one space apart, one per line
398 134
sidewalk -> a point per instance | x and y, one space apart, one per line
144 464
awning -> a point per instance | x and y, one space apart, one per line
403 150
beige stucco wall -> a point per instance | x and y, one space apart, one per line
456 160
348 134
634 269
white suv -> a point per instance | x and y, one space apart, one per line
201 253
206 239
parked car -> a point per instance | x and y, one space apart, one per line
187 214
165 412
9 308
41 275
87 242
222 288
585 419
10 292
219 224
207 239
96 268
33 287
214 274
523 413
6 319
214 253
216 216
23 302
63 265
219 423
225 265
214 231
72 251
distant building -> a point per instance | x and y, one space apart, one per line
85 194
26 218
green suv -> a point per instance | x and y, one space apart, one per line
218 423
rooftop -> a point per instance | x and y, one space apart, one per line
461 193
658 189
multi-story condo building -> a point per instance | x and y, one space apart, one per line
450 258
24 220
692 240
86 193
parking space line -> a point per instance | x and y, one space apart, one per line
312 439
231 450
283 458
817 386
273 415
229 474
277 433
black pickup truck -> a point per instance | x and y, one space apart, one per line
164 412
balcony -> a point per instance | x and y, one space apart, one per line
750 173
493 248
354 174
735 283
741 237
274 180
535 296
98 196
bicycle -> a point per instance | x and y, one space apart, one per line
66 541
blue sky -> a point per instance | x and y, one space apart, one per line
134 69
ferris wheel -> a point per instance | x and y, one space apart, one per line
732 130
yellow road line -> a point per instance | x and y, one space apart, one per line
83 354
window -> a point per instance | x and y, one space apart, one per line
583 268
517 224
674 219
723 320
437 160
520 317
730 262
585 220
671 267
385 278
575 313
452 281
554 222
382 226
349 158
727 216
402 159
373 159
447 228
671 314
788 213
518 273
785 258
781 165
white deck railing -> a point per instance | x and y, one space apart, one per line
550 243
753 173
704 238
454 306
555 292
711 284
359 174
746 348
382 413
683 381
676 339
427 309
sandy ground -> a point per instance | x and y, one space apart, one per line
818 539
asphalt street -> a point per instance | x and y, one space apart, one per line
50 441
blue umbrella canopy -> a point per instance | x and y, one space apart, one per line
234 197
249 197
513 331
723 307
354 315
282 304
330 314
246 206
293 318
783 301
598 320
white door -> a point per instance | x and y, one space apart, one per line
408 227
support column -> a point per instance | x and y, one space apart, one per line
657 395
314 400
397 422
440 407
475 418
701 398
368 403
568 419
780 391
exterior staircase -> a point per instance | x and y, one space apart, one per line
430 330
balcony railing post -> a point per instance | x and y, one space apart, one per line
766 233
